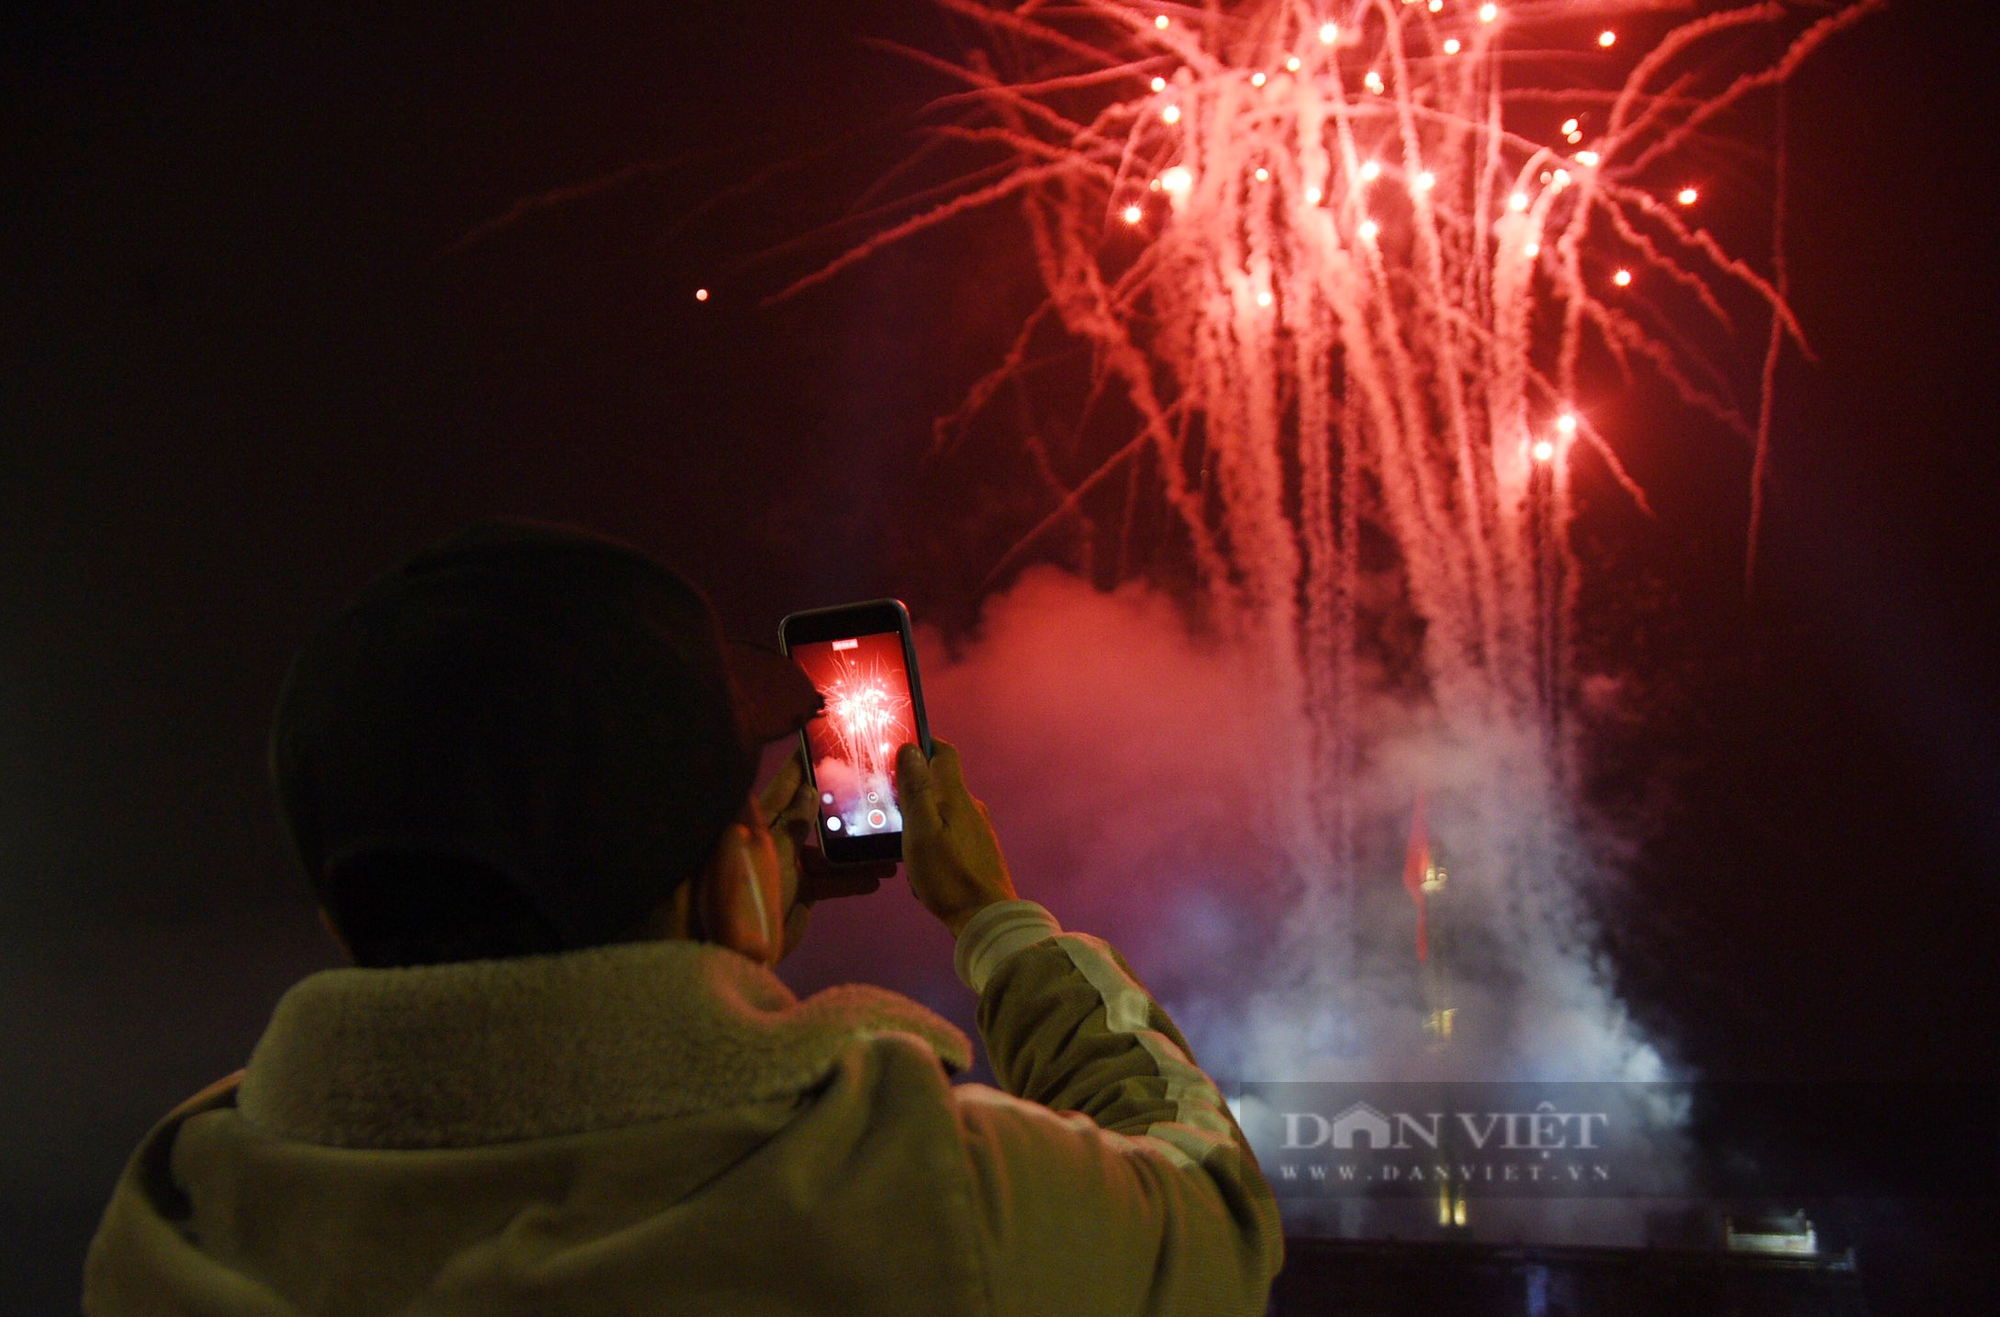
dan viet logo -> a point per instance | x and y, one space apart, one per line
1616 1139
1542 1130
1417 1140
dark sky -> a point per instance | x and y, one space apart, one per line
248 358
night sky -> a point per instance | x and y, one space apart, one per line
260 337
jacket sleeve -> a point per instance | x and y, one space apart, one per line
1109 1178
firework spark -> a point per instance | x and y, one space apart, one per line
1360 265
865 718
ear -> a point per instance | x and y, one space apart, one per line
738 895
333 931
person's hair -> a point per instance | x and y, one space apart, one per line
396 908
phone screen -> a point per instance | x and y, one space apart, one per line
870 711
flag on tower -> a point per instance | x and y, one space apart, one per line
1416 865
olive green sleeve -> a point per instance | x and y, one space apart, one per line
1110 1174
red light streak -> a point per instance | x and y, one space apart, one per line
1311 324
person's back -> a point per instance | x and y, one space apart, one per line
564 1079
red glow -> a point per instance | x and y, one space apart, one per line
1454 141
868 714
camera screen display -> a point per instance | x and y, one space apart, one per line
869 713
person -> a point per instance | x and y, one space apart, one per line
561 1076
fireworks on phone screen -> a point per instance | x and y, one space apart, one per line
868 714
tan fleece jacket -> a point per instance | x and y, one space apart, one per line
664 1128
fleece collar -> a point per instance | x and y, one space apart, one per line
499 1051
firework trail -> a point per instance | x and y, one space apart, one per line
1357 272
866 719
868 714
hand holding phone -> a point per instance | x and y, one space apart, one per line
950 853
790 806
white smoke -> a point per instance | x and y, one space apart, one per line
1130 766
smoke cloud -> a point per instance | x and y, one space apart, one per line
1134 770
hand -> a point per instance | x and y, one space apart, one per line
804 873
950 855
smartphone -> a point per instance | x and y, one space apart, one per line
864 662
